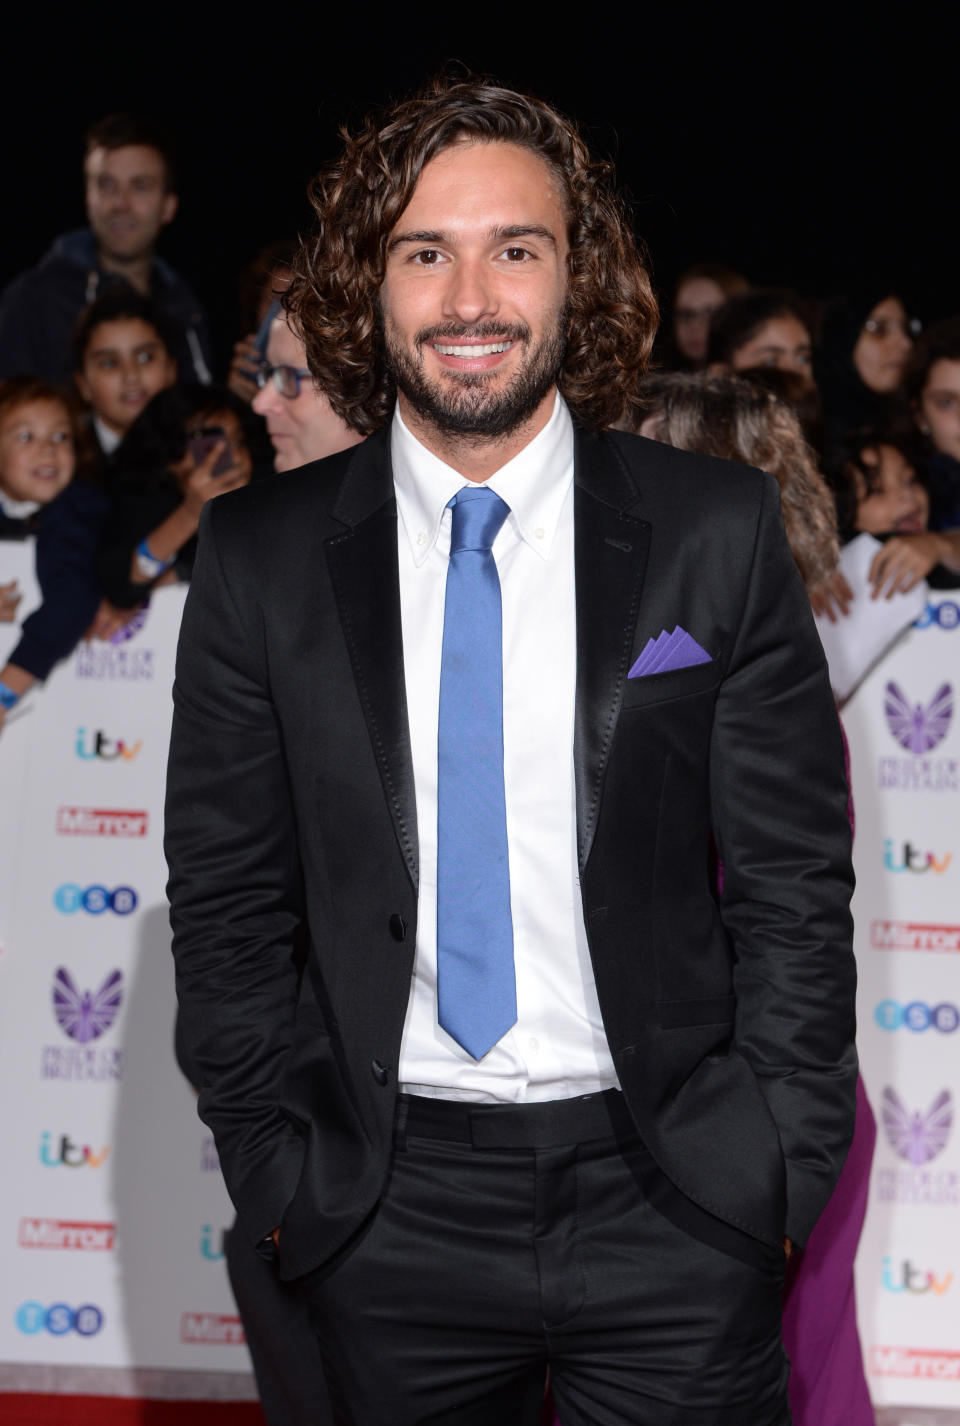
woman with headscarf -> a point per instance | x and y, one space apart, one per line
865 343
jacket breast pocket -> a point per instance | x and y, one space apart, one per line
674 683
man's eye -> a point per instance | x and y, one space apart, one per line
106 363
427 257
145 358
945 403
24 437
516 254
61 437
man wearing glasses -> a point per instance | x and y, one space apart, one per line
300 420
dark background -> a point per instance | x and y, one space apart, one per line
798 152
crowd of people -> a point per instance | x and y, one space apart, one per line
114 435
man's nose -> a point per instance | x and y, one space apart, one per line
266 400
471 291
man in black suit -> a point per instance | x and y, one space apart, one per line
480 702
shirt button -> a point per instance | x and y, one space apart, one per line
534 1043
421 537
539 532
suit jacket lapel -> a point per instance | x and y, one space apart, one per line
611 547
363 569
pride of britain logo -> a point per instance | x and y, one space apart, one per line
120 657
84 1016
917 1135
919 728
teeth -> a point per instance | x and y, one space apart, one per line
488 350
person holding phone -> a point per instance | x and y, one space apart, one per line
190 444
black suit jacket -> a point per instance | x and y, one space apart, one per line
291 798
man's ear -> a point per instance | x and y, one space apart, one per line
170 205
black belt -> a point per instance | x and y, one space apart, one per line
547 1125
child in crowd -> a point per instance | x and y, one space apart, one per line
932 386
123 356
765 327
38 495
878 492
191 443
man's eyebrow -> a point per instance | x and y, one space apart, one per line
525 230
437 237
423 236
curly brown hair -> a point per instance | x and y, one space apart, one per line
359 197
728 417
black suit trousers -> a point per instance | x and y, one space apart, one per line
499 1250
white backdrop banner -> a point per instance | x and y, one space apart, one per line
112 1209
904 730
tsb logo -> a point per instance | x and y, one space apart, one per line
945 615
33 1317
891 1015
95 899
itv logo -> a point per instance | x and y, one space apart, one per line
66 1154
98 745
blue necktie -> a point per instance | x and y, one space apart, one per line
476 986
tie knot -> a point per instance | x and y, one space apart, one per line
478 513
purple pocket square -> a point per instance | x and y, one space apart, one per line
667 652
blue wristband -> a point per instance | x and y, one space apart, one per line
7 696
148 564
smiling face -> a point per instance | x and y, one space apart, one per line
473 299
127 200
36 451
938 409
124 366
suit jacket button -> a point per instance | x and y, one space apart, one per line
398 927
380 1072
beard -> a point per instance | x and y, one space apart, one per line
469 404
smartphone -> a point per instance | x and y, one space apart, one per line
201 443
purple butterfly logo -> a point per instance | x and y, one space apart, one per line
918 729
917 1137
132 627
86 1015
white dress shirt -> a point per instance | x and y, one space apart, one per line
557 1048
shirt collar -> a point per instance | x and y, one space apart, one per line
108 439
534 484
18 509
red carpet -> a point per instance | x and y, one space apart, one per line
18 1409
